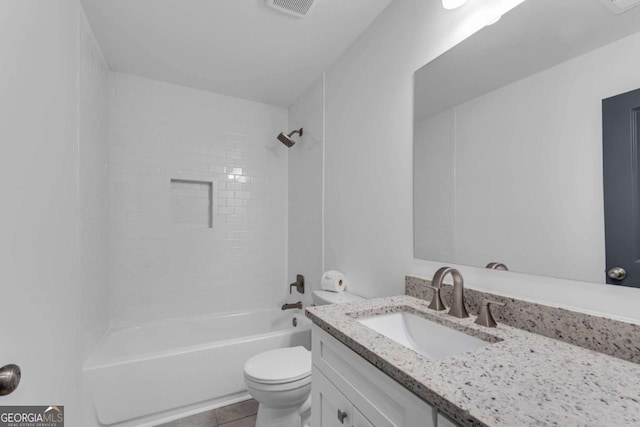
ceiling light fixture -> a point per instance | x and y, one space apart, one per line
452 4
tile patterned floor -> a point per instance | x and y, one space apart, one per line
241 414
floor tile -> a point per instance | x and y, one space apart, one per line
204 419
243 422
237 411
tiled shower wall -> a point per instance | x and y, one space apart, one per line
161 267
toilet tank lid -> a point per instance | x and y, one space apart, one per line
327 297
279 366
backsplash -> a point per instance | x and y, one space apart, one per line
608 336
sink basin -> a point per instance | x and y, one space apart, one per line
423 336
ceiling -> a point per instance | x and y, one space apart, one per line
240 48
530 38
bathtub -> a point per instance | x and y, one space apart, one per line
177 367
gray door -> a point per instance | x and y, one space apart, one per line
620 123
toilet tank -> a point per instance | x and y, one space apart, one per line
327 297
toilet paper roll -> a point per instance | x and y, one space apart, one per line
333 281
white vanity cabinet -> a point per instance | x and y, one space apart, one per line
335 410
347 391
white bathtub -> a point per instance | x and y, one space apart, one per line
165 367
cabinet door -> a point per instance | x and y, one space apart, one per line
330 407
359 420
382 401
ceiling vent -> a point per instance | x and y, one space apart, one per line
299 8
620 6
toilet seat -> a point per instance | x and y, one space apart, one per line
279 367
291 385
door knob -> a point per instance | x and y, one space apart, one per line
617 273
9 379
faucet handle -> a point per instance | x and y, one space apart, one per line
298 284
497 266
485 318
436 302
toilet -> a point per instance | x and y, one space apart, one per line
327 297
280 379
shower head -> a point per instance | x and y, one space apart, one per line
287 140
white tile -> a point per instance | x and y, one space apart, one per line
161 132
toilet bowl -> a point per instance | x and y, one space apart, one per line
280 380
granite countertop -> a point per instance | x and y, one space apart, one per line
521 379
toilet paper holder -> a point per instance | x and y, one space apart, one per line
298 284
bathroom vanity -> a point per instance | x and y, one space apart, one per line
362 377
347 392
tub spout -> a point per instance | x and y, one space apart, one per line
297 305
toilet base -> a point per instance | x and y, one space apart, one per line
297 416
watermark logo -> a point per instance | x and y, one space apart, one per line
32 416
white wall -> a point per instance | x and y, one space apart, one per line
305 190
94 300
368 164
159 269
48 131
369 125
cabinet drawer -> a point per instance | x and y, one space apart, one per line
381 400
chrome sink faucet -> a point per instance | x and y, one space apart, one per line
458 308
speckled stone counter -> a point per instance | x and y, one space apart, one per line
608 336
520 379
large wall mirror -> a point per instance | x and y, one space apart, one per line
508 140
